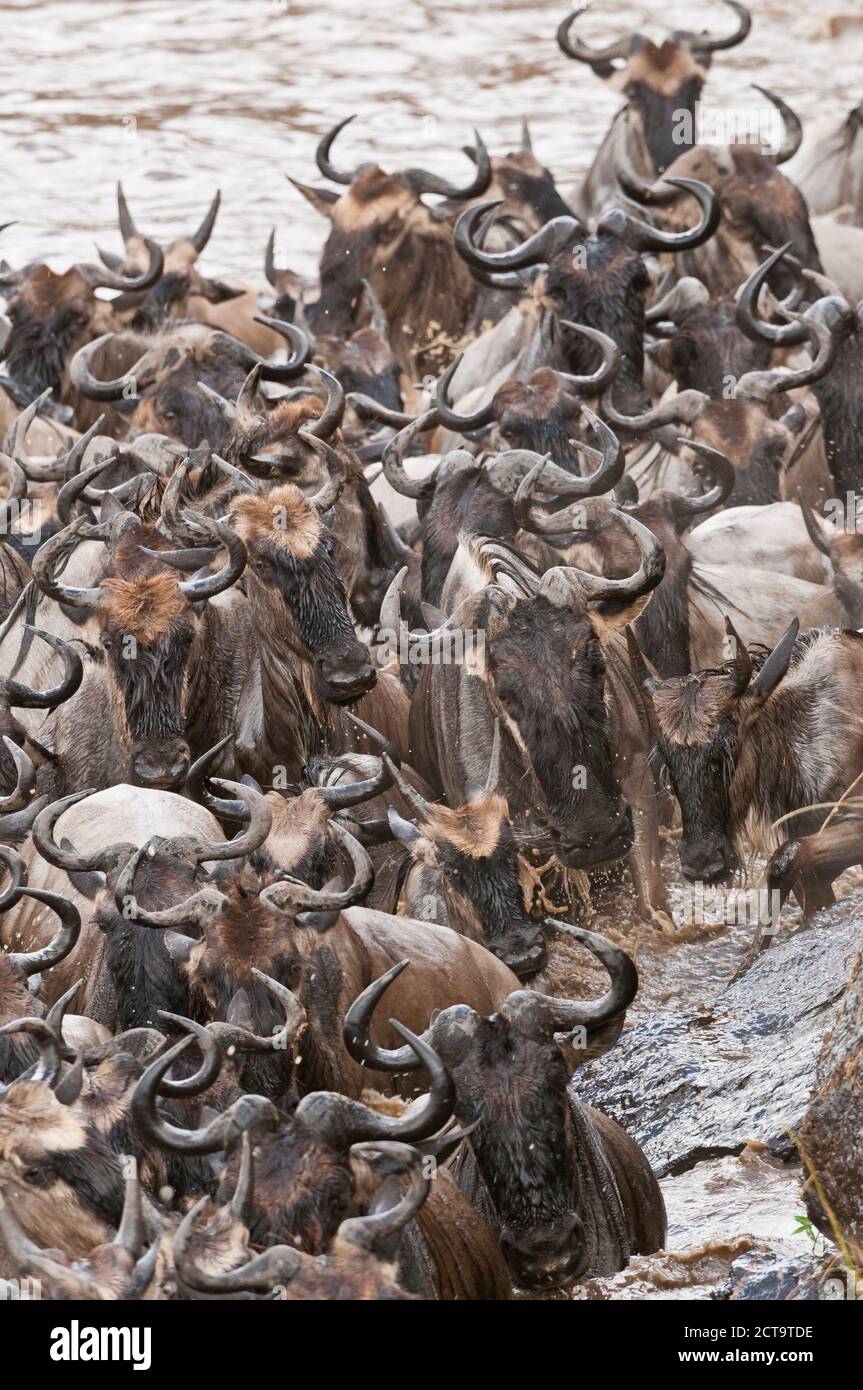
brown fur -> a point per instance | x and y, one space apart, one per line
144 608
285 518
689 708
473 829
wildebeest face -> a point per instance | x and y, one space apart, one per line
538 415
698 740
363 362
515 1087
474 850
560 721
147 629
370 221
291 561
661 82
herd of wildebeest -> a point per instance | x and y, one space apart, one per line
356 636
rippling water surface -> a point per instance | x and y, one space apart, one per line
180 99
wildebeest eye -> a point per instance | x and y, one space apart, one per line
327 546
37 1174
107 643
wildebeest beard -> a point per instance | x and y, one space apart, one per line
152 686
315 596
37 350
346 260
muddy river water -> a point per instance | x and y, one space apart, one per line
178 100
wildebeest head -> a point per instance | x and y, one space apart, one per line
304 1185
598 281
120 1268
528 194
148 621
533 1145
181 280
759 206
558 623
472 857
702 724
662 82
293 582
53 315
384 233
183 381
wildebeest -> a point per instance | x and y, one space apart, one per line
568 1191
743 749
662 84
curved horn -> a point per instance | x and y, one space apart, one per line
245 1113
687 293
793 130
724 477
94 388
760 385
211 1064
62 942
464 424
373 1231
336 472
43 572
25 782
128 230
290 895
710 43
24 697
301 345
200 238
577 49
331 416
546 1014
746 313
17 877
594 382
344 1121
813 526
537 249
100 277
421 181
322 155
683 409
199 908
260 1274
393 458
408 791
595 588
47 1069
343 795
195 789
639 236
198 590
69 858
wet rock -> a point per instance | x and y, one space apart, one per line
703 1273
831 1135
763 1273
695 1085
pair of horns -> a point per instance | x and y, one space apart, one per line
419 180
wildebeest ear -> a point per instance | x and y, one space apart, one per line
321 199
403 830
178 946
109 506
217 292
611 617
87 884
240 1011
777 663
